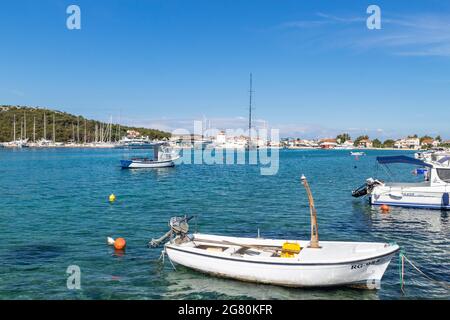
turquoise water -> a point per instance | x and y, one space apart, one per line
55 213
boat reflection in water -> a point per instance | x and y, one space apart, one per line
189 284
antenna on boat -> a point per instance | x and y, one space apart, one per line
314 243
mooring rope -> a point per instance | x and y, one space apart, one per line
402 259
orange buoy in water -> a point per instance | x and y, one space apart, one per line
384 208
120 243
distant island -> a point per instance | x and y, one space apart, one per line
34 123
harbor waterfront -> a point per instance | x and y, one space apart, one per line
55 214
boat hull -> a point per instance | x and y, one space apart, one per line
365 273
411 197
132 164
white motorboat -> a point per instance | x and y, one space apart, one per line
357 153
438 155
432 193
293 263
135 143
163 157
21 143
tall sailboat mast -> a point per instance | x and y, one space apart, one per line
54 131
45 127
250 111
24 125
34 129
14 126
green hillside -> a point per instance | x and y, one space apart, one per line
65 125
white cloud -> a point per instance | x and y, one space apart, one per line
426 34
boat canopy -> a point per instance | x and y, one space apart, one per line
403 159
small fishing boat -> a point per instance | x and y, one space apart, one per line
163 157
357 153
292 263
432 193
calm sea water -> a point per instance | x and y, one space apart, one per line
54 212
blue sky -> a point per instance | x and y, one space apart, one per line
317 69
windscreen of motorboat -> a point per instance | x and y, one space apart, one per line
444 174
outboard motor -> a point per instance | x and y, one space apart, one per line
365 188
179 228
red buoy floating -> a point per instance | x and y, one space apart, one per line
120 243
384 208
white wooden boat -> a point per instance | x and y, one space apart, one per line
431 193
259 260
162 157
293 263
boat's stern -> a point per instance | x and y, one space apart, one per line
367 188
125 163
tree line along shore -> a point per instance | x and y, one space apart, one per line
33 123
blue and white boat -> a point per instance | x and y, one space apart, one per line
432 193
163 157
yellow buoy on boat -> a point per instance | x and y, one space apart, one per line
112 197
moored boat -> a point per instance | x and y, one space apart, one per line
431 193
293 263
135 143
357 153
163 157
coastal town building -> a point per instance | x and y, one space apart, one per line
328 143
429 142
347 144
407 143
133 134
297 143
365 143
